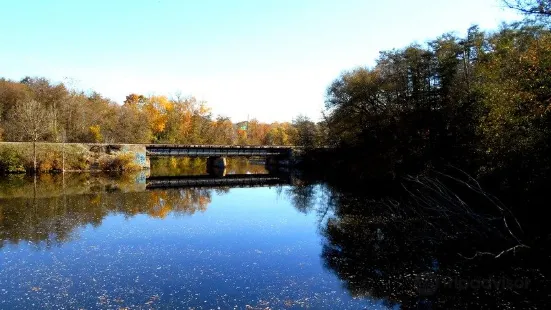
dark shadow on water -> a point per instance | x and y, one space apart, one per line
433 241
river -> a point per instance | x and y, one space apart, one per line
89 241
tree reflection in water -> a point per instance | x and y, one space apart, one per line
422 245
174 166
303 195
50 211
429 242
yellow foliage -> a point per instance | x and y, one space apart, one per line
95 200
95 131
241 137
157 109
118 162
48 162
203 109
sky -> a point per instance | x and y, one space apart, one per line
266 59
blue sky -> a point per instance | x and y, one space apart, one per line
269 60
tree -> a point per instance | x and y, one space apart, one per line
256 132
223 132
31 121
131 126
10 94
540 8
307 132
515 97
52 98
89 117
135 100
354 102
280 134
157 109
95 132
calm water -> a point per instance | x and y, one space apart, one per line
93 241
85 242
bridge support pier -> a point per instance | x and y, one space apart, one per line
277 161
216 162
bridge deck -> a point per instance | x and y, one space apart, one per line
214 146
216 150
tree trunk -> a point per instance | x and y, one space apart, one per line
34 156
63 159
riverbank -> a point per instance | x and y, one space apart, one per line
18 157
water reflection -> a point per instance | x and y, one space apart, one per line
427 243
177 166
49 210
424 243
89 241
303 195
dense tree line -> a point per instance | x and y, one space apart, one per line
482 101
35 109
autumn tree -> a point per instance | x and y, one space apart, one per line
134 100
280 134
52 97
77 116
11 93
156 108
201 123
515 95
31 120
223 132
256 132
131 125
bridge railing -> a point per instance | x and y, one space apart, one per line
215 150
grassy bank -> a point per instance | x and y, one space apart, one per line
17 157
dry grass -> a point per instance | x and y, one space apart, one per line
17 157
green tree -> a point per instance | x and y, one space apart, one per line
307 133
515 89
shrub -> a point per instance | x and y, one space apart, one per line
11 161
118 162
